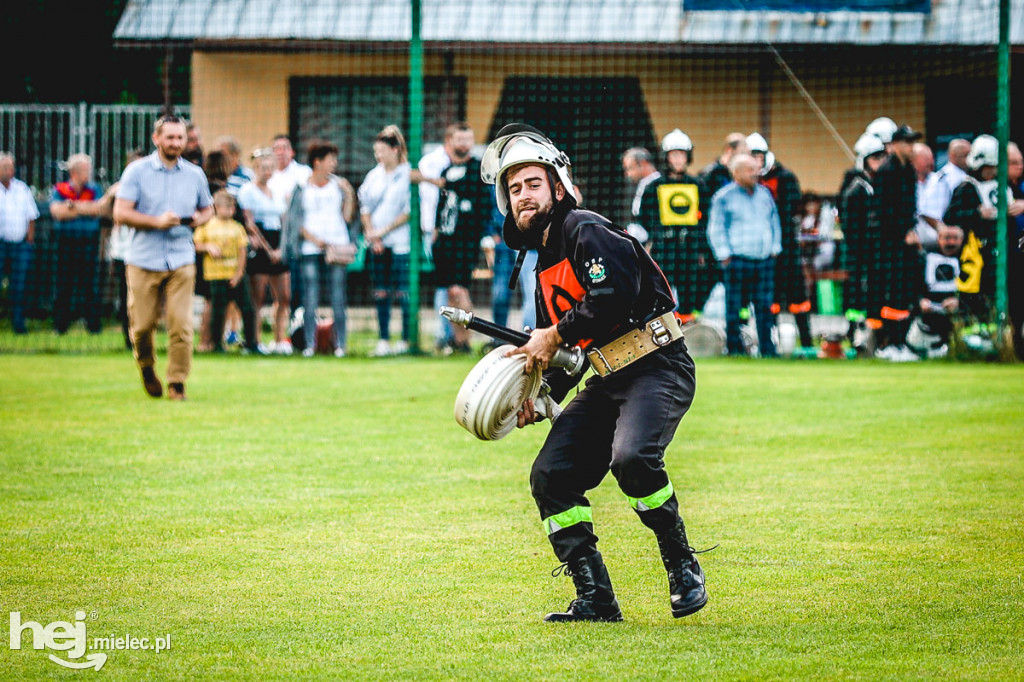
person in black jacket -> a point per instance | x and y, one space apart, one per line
860 242
790 287
973 207
895 187
716 174
674 213
599 289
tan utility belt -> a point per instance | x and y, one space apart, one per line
630 347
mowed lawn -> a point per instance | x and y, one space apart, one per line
327 519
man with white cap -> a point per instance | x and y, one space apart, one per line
599 289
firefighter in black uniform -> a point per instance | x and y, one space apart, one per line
895 186
860 241
597 288
674 211
790 287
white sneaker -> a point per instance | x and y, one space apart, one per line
339 352
901 354
284 348
308 352
940 352
383 349
907 355
399 347
887 353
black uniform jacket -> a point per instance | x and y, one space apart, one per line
595 281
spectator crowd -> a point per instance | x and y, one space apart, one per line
905 252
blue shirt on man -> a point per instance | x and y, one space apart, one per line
156 189
744 224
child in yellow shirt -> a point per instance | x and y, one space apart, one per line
225 244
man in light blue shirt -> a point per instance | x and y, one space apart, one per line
163 197
745 237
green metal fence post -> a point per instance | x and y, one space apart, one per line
415 150
1003 134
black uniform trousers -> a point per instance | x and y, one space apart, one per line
620 423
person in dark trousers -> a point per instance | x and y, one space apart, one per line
973 207
790 288
860 243
897 271
674 213
746 238
77 206
599 289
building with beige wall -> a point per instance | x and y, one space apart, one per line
809 86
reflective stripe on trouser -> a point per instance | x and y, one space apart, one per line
652 501
570 517
621 423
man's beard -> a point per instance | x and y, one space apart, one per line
532 226
171 153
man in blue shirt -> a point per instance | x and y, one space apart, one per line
76 207
163 197
745 237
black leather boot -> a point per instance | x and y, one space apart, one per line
594 600
685 576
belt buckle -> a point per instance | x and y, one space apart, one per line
660 334
607 365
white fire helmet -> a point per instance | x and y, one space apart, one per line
866 145
677 140
984 152
518 144
882 127
756 144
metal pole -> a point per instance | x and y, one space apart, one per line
415 150
1003 135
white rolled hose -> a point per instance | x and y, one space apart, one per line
495 390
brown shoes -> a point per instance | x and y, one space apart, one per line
151 383
176 391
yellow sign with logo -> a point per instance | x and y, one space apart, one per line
971 264
679 204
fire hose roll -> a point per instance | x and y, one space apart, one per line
494 391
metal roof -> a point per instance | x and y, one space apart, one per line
951 22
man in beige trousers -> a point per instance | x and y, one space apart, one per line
164 198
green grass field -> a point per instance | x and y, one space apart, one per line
326 519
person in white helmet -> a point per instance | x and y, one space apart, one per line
897 271
860 241
791 292
973 206
882 128
598 288
674 213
